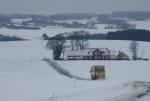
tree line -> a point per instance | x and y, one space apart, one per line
132 34
10 38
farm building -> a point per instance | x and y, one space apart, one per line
122 56
94 54
89 54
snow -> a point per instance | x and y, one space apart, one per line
102 28
20 20
83 21
25 77
141 24
50 31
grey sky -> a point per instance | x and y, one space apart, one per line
71 6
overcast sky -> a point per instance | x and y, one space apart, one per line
49 7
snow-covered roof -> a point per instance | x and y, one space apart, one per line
86 52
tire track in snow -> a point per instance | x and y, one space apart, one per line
62 70
139 90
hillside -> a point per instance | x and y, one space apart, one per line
25 77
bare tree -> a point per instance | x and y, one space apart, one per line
72 44
83 44
79 40
74 40
133 46
57 45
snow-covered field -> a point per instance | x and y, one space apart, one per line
25 77
141 24
19 20
50 31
